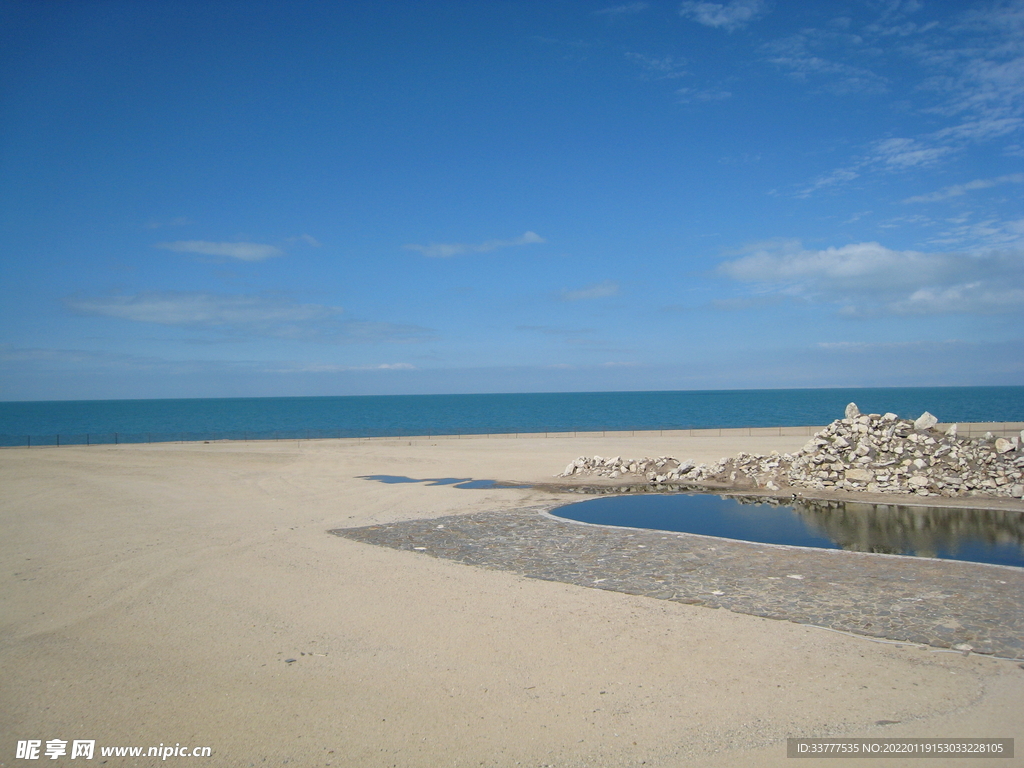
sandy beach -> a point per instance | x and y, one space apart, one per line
156 593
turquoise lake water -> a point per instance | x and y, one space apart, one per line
102 421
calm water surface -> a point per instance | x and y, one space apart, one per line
108 421
975 535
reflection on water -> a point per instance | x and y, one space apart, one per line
977 535
922 531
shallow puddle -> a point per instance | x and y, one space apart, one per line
974 535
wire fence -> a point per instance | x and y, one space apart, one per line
997 429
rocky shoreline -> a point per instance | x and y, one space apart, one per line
872 453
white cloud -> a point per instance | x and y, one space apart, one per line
868 278
261 315
956 190
862 265
240 251
731 16
446 250
595 291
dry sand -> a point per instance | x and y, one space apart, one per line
152 594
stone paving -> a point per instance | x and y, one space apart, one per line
942 603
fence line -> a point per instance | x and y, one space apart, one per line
971 430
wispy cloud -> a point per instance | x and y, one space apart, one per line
730 16
978 297
240 251
812 56
982 129
983 71
829 180
177 221
956 190
576 336
260 315
624 9
660 66
329 368
868 278
966 70
446 250
595 291
185 308
892 155
51 359
550 330
309 240
12 354
899 153
699 95
893 19
991 232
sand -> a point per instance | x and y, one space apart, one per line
151 594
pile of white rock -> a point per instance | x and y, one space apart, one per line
862 452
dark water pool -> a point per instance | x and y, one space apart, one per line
976 535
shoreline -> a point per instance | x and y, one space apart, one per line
154 593
966 429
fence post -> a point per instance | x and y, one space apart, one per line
115 438
58 440
28 441
87 438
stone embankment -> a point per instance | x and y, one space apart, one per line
862 452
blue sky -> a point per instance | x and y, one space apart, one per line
204 199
